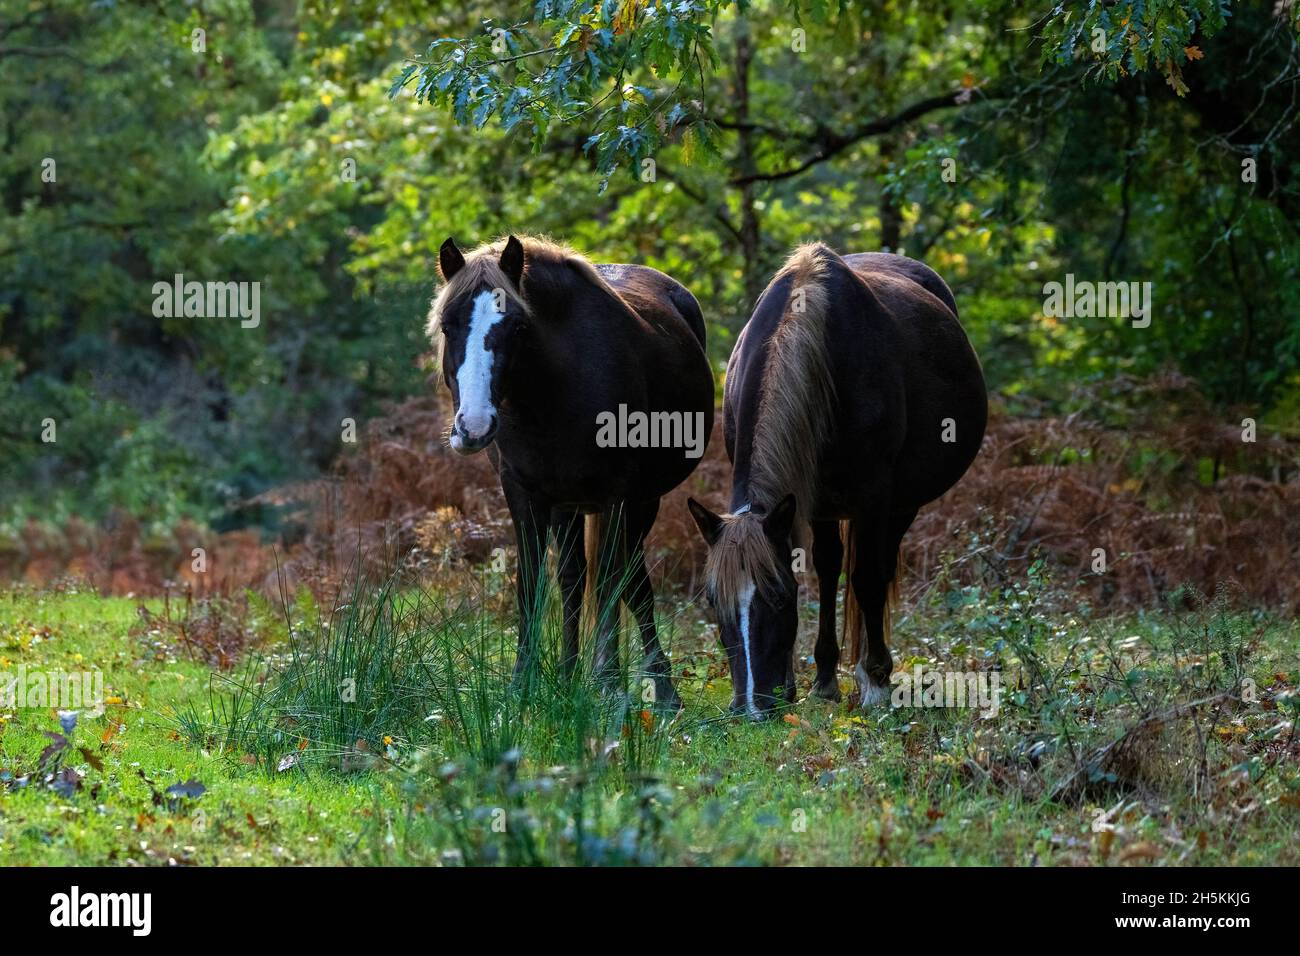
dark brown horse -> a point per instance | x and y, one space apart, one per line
548 358
853 397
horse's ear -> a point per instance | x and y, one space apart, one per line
780 521
710 525
512 260
450 261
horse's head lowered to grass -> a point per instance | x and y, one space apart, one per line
754 594
476 324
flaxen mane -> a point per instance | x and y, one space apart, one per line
796 401
740 556
482 269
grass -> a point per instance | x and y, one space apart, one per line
386 731
247 818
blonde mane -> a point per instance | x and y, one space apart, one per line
797 393
740 556
482 268
796 404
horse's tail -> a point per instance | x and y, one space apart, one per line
593 530
854 623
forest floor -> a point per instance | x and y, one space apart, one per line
1149 739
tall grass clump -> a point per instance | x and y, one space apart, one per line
395 666
417 690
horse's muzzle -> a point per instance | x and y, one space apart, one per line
464 443
764 708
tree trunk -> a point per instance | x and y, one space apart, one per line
891 217
750 229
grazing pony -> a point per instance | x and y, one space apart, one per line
852 398
541 349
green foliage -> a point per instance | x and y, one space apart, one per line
1132 36
577 61
285 154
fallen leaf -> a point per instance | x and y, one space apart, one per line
818 762
91 758
1144 850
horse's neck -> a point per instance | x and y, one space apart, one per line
778 448
742 491
554 365
741 496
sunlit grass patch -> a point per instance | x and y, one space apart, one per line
384 728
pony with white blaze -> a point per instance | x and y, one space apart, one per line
538 346
853 397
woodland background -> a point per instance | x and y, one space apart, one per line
325 150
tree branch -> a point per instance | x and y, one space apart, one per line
41 51
833 143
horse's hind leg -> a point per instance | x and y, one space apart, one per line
641 601
872 670
877 550
828 555
572 570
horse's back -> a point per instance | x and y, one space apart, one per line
904 330
865 264
641 286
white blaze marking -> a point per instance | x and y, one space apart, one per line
474 378
746 596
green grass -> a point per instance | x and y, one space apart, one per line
247 818
432 758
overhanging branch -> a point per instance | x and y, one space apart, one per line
833 143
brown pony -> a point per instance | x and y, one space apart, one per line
542 351
853 397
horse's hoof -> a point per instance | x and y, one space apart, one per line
519 683
830 690
667 705
872 693
873 696
663 699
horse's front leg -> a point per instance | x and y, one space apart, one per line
828 557
531 517
572 568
